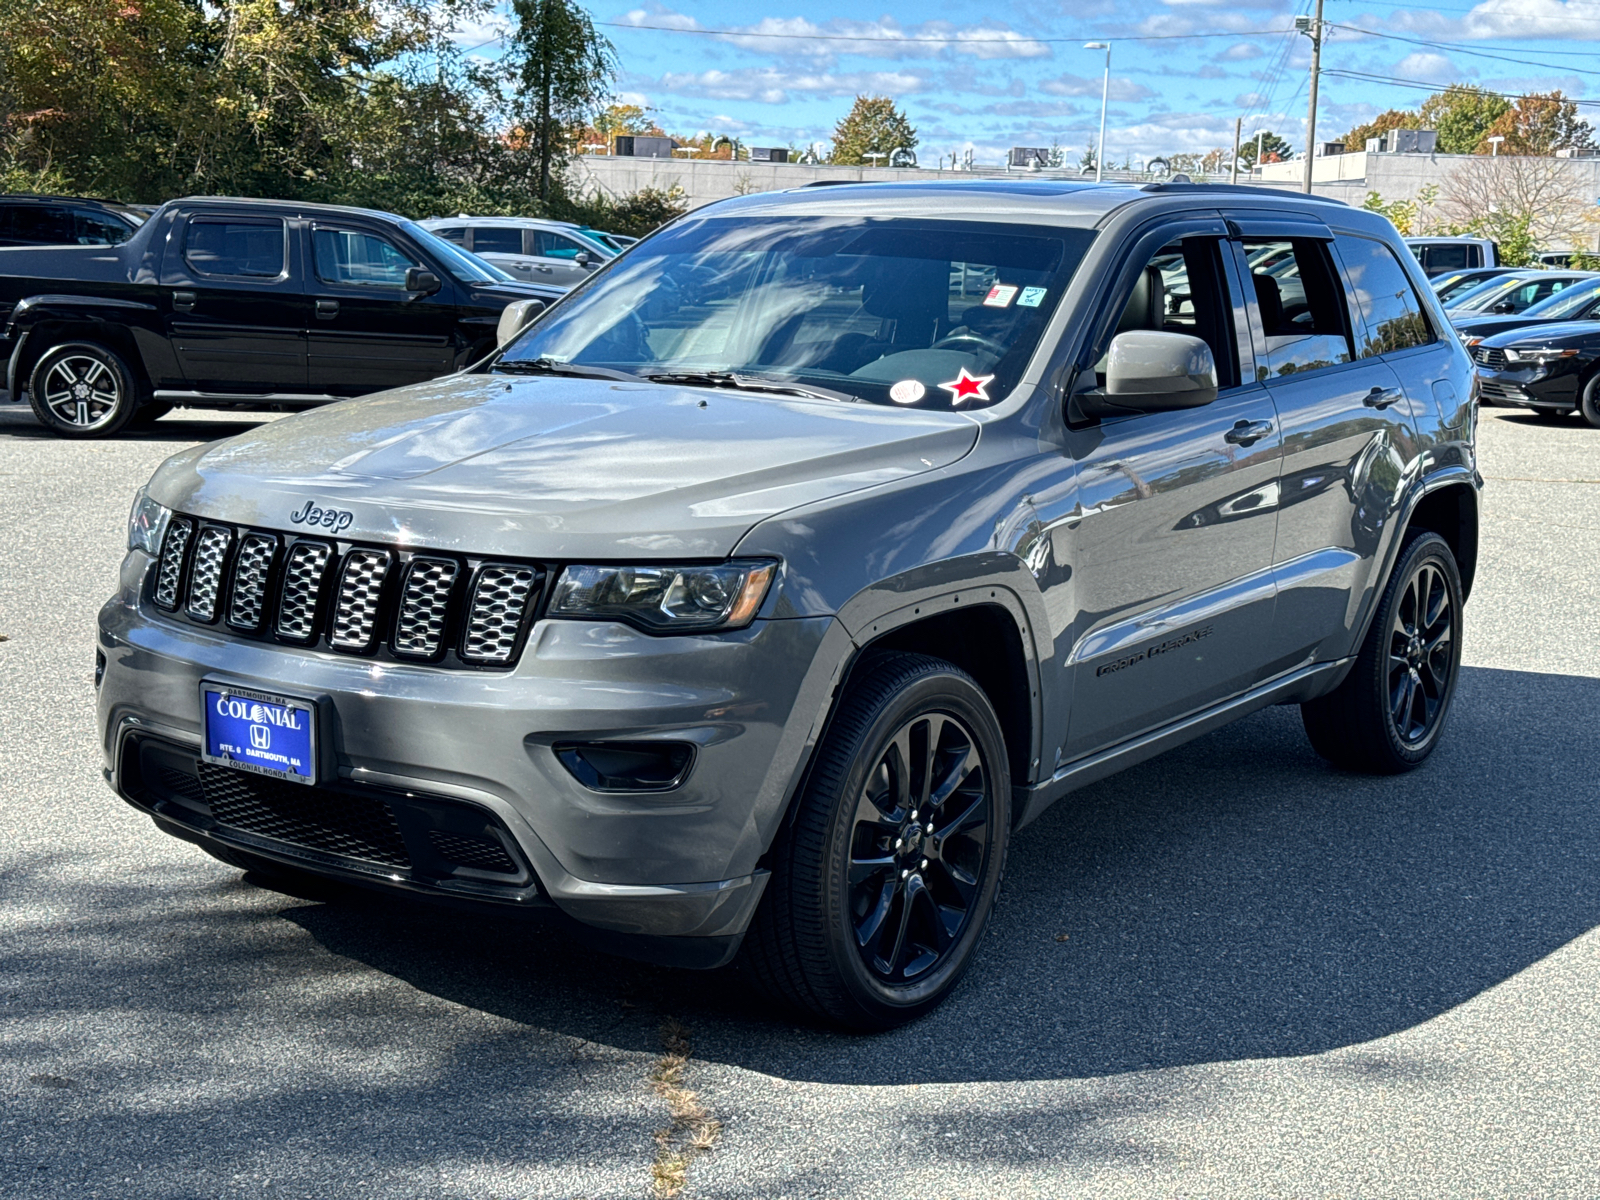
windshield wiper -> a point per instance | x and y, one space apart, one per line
749 383
549 366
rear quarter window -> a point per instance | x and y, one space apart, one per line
1384 296
496 239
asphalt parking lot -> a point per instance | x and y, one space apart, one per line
1231 971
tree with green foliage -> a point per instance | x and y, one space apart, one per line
1273 149
873 126
1540 125
563 69
1462 114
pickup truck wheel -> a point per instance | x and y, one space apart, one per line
882 887
1387 715
83 390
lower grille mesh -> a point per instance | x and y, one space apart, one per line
479 853
317 818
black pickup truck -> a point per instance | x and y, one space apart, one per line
254 304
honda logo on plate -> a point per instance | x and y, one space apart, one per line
260 737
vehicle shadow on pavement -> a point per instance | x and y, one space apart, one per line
183 425
1236 898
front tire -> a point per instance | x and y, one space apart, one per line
1590 404
881 889
83 390
1387 715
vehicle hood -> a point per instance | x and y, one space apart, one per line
510 291
557 468
1478 325
1547 333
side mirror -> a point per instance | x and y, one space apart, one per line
583 259
1152 371
421 281
516 317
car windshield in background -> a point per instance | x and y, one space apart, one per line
468 268
1567 303
919 313
1519 292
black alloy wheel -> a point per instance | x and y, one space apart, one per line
883 884
1589 406
1387 714
917 851
83 390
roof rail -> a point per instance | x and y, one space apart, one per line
839 182
1246 188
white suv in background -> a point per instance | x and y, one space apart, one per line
557 252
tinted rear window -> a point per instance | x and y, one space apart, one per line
1384 294
497 240
246 248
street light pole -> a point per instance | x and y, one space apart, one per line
1105 94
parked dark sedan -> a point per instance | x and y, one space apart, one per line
1580 302
255 304
1553 370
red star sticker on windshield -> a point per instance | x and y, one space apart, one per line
966 387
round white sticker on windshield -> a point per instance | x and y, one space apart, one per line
907 391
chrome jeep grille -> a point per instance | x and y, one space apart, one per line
169 575
424 607
303 573
499 600
247 603
355 612
447 609
205 577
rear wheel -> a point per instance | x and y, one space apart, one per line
1387 715
882 887
83 390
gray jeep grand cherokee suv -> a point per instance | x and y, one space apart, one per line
751 598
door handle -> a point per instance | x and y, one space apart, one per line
183 301
327 309
1247 433
540 267
1381 398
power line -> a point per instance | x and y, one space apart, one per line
1423 86
1431 8
1019 39
1460 49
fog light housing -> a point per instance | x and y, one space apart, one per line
627 766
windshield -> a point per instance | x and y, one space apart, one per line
1566 303
468 268
920 313
1482 299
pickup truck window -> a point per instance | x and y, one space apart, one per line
254 249
361 259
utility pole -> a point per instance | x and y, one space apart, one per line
1233 169
1312 28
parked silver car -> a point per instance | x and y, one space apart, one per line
557 252
750 599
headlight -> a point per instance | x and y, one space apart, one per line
1468 340
666 599
147 524
1538 356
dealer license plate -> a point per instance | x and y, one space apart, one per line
260 731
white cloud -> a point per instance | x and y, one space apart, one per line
1520 20
1240 52
1427 66
1122 90
767 85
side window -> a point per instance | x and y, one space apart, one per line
1301 307
454 233
362 259
553 245
97 229
498 239
41 225
1181 290
1449 258
253 249
1384 294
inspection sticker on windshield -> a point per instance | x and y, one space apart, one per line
999 295
907 391
1031 297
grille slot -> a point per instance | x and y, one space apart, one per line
182 784
477 853
355 612
170 574
500 598
205 577
303 572
247 603
424 607
1488 356
357 827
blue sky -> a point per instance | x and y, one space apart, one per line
989 75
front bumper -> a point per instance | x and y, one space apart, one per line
673 864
